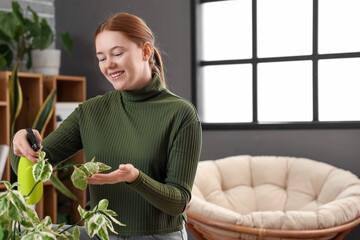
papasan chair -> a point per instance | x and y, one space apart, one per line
268 197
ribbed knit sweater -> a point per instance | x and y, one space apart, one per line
151 128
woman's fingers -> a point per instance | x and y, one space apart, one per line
29 153
125 173
37 135
22 147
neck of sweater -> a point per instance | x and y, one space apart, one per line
145 93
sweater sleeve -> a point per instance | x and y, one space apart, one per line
172 196
65 141
59 144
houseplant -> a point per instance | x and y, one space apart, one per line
20 35
18 221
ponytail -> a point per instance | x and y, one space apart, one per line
157 66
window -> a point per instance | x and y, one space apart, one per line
277 63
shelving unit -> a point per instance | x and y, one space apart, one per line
35 89
68 89
4 120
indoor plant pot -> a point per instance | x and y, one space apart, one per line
46 61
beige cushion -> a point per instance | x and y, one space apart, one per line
275 192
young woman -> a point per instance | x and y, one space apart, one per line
150 137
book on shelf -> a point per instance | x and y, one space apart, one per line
4 151
64 109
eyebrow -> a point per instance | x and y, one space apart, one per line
97 53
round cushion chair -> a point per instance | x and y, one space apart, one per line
267 197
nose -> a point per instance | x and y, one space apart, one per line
110 63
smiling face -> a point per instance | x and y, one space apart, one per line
124 63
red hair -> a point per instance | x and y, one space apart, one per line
136 30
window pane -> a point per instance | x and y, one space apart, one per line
227 93
339 85
284 27
226 30
285 91
339 24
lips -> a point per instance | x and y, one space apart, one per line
116 74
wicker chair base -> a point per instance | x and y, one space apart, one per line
201 226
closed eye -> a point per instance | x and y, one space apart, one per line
118 54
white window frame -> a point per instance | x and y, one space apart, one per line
197 64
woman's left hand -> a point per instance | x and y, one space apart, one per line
125 173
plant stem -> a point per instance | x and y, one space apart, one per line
14 231
33 188
70 227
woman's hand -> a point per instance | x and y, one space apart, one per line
125 173
22 147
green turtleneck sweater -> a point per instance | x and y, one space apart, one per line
151 128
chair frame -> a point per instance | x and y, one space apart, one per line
202 233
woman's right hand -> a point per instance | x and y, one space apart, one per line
22 147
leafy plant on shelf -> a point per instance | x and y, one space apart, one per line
19 35
18 221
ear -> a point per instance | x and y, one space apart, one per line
147 51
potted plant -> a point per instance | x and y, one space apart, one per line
18 221
20 36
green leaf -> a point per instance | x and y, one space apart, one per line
46 222
46 173
14 212
61 187
110 225
15 184
80 210
79 178
39 236
76 233
45 113
35 16
6 53
67 42
4 202
85 170
9 24
116 221
15 98
38 169
17 12
18 200
103 233
92 167
103 167
7 184
45 38
27 223
42 155
59 227
94 224
2 233
110 212
31 213
103 204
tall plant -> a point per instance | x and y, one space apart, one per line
40 123
19 35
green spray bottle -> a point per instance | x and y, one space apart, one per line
25 176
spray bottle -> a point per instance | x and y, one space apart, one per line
25 176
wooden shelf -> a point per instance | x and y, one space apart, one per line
35 89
